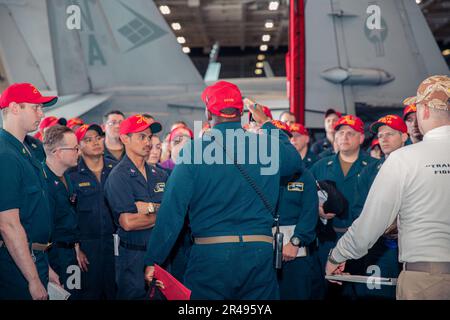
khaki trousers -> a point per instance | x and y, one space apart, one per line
413 285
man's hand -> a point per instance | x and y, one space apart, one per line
53 277
257 111
142 207
37 290
289 252
83 261
332 269
149 273
324 215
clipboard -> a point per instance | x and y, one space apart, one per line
363 279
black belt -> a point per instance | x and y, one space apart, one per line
34 246
64 245
135 247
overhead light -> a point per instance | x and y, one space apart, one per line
263 47
258 71
418 1
176 26
273 5
266 37
186 49
268 24
260 65
446 52
164 9
181 40
261 57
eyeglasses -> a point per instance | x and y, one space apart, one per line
114 122
92 139
76 149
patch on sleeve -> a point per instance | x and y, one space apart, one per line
295 186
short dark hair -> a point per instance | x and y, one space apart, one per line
286 112
232 113
54 136
148 116
120 113
180 122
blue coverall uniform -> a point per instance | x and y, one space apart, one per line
96 225
65 233
300 279
125 186
23 185
220 202
330 169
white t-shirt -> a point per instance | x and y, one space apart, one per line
413 185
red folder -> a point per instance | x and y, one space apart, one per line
173 289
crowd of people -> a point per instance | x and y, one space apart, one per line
93 208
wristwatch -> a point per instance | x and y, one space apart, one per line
295 241
330 258
151 208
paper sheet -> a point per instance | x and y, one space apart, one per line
363 279
288 232
116 244
56 292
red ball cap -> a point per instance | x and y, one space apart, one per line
38 136
222 95
138 123
282 126
74 122
48 122
299 128
409 109
81 131
180 131
352 121
25 93
391 120
374 143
